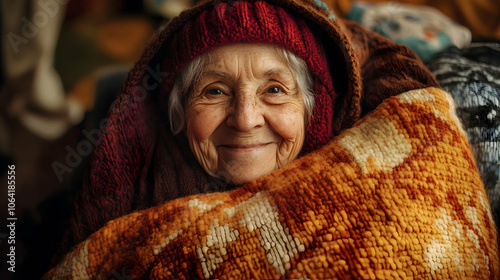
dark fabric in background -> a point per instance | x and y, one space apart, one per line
472 76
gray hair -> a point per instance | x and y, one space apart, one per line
191 73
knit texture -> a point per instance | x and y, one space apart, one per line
138 163
395 196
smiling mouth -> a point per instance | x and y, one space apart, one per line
244 147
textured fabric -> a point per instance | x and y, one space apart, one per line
472 77
480 16
258 22
423 29
358 208
137 163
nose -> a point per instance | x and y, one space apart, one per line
246 113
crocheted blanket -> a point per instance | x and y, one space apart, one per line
398 195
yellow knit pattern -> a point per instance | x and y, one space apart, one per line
397 196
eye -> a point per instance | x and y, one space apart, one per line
215 92
274 90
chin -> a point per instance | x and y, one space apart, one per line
239 179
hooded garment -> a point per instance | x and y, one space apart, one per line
138 164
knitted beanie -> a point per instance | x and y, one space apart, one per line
258 22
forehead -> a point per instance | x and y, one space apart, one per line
261 58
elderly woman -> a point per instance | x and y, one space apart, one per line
243 108
228 93
247 98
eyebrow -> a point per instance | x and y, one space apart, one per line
211 73
279 71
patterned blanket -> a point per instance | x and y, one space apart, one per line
398 195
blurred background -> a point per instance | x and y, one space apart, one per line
62 64
56 55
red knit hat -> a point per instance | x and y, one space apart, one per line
258 22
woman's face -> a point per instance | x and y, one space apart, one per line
245 116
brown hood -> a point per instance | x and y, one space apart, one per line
138 163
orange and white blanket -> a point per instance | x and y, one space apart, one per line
397 196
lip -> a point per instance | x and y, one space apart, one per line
244 148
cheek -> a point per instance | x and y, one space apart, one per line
288 122
202 122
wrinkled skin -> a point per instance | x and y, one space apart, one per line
245 116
